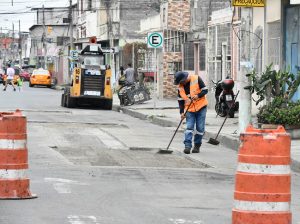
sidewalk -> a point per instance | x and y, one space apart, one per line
165 113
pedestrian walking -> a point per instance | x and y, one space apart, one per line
192 97
129 74
121 76
10 73
20 83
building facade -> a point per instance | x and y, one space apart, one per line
176 20
50 38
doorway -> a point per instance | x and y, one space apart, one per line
292 42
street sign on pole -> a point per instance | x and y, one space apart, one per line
74 55
249 3
155 40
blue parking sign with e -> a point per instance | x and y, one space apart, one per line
74 54
155 40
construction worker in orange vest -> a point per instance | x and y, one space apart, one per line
192 97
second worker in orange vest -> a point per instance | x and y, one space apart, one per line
192 96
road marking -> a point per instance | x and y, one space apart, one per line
13 144
183 221
82 219
108 140
63 186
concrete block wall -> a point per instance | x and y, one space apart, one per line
131 13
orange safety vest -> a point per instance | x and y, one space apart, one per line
194 90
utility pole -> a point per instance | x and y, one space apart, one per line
111 37
20 45
133 56
13 42
44 38
245 57
71 26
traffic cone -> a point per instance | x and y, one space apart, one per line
263 179
14 183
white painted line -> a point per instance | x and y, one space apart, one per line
262 206
63 186
60 180
13 144
184 221
13 174
82 219
107 140
264 169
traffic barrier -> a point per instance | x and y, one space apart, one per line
263 179
14 183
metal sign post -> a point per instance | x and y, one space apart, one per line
155 40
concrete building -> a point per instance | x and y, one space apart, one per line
175 19
115 23
282 35
50 38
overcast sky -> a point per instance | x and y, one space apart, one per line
21 6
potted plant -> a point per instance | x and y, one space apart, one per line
276 89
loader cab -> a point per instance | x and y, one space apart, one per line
90 80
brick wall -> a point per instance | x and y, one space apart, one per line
169 89
179 16
179 19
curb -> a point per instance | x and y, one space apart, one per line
58 87
225 140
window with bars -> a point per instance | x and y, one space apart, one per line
188 52
174 67
89 5
202 56
173 40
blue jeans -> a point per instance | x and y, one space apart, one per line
192 119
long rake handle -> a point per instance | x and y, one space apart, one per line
227 114
179 124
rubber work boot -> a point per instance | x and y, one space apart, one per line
196 148
187 150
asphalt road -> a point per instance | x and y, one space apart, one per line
101 167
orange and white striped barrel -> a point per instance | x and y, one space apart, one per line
263 179
14 183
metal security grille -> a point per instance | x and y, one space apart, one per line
274 33
93 83
202 56
219 51
188 52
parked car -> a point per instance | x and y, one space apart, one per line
40 77
25 75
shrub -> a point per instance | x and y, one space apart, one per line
279 111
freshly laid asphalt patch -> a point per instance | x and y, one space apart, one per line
125 158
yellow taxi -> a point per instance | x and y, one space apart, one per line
40 77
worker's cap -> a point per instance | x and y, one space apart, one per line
180 77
